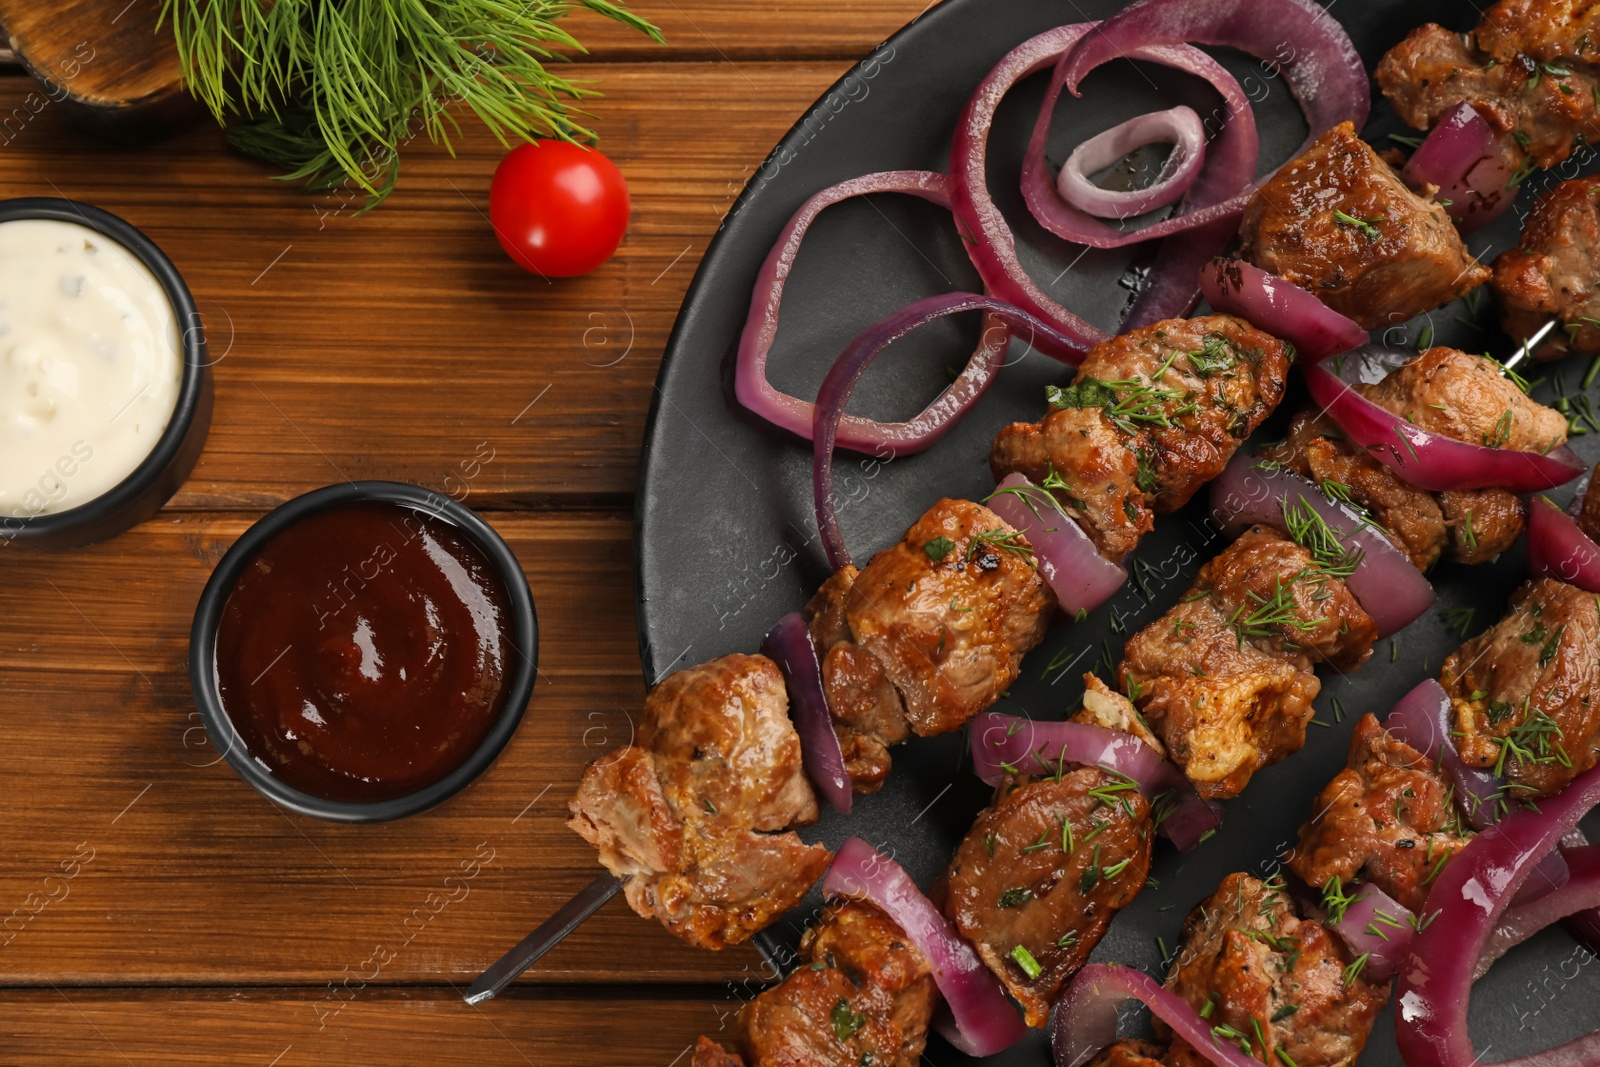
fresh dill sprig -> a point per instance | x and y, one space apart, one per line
1308 529
333 91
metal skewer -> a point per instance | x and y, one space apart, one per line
566 919
1526 351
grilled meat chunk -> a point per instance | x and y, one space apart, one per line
1552 273
1465 397
1042 873
1340 222
1104 706
1388 819
1589 515
1267 980
1468 526
1224 677
1525 693
1544 30
1152 416
928 634
691 813
1540 110
863 995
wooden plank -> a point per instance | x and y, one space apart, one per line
391 1028
194 878
393 344
735 31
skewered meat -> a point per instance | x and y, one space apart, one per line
864 995
1274 982
1104 706
1554 271
1589 515
1469 526
1341 223
690 813
1546 30
1466 397
1525 694
1042 873
1541 109
1388 818
1152 416
1224 677
928 634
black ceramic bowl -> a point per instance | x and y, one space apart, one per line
208 616
142 493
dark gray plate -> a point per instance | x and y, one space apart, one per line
726 537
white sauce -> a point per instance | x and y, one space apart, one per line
90 365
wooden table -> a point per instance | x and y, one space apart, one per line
153 908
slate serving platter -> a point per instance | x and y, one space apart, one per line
727 539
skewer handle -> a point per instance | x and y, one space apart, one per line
550 933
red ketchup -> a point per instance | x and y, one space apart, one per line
363 653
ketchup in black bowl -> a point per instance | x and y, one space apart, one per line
366 653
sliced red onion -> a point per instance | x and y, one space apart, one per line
1280 308
990 241
788 644
1462 155
1578 898
985 1021
1082 578
1086 1017
1432 461
757 393
1379 927
1179 127
1003 744
852 363
1389 588
1558 548
1323 69
1465 906
1421 719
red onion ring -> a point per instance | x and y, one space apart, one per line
1179 127
1219 194
1281 308
1558 548
985 1021
1082 578
1323 70
1392 591
1470 897
1379 927
1421 719
1463 156
757 393
853 362
1433 461
1578 898
1003 744
789 645
1086 1017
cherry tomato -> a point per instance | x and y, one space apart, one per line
558 209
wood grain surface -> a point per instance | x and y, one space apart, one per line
154 909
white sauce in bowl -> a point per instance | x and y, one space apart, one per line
90 365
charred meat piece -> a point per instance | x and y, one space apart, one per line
1467 398
1224 677
690 814
1388 818
1340 222
1546 30
929 633
1525 694
1553 272
1589 516
1542 109
1152 416
1281 987
863 995
1041 874
1467 526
